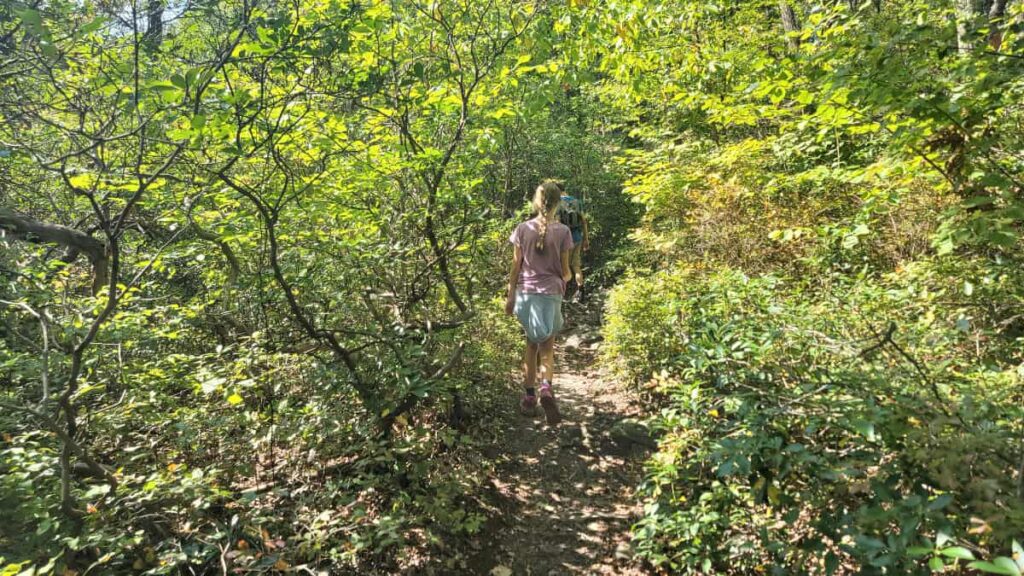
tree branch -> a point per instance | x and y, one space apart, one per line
24 228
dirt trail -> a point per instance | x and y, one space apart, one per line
565 492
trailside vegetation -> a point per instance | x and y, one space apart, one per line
827 320
252 257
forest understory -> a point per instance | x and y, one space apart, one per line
253 257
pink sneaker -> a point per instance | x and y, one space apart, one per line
528 405
547 401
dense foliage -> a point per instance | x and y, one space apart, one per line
253 255
828 320
251 252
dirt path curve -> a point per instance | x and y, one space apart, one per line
565 492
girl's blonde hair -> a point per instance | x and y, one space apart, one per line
545 202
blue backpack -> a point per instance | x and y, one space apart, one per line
570 213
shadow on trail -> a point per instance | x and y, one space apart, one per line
563 495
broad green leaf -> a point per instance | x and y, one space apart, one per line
957 552
997 566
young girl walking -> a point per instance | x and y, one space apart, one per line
540 270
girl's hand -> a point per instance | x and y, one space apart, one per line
510 304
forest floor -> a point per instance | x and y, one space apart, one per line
563 495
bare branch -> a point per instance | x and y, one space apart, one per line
29 230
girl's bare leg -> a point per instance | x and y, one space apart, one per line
530 364
547 399
547 359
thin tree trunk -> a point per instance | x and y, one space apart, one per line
995 22
155 28
790 24
964 25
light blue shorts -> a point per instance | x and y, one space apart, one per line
540 315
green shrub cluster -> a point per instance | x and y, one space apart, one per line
825 314
800 435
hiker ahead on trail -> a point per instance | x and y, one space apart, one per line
570 213
540 270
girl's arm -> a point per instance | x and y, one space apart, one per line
513 279
566 271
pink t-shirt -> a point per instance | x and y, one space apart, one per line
542 269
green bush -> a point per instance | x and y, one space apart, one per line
801 434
